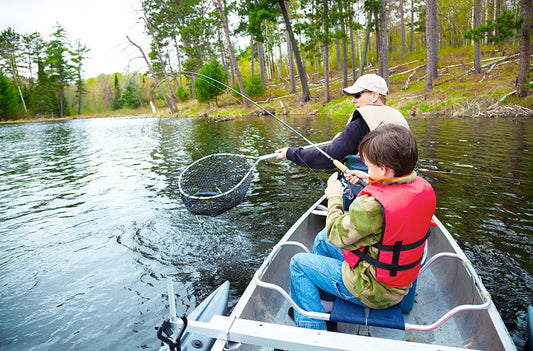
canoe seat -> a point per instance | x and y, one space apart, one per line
392 317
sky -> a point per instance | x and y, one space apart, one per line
101 25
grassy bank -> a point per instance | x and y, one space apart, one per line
457 91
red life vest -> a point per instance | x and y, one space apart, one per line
408 209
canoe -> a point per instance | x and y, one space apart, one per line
452 308
529 342
215 304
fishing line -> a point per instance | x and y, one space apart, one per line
219 87
488 177
337 163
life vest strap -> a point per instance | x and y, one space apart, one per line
405 247
396 249
393 267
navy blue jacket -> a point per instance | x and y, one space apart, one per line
347 143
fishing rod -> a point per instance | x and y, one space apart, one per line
489 177
337 163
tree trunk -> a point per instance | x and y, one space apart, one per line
337 51
365 46
232 54
402 25
252 58
431 43
61 98
179 60
477 44
290 59
412 26
160 57
326 53
435 36
306 94
161 90
352 49
522 85
280 69
383 54
227 69
344 50
261 59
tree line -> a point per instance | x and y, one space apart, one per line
283 39
298 36
44 78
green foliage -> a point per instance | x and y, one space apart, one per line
206 89
236 91
9 100
255 87
505 26
78 56
182 94
130 97
43 99
259 12
117 101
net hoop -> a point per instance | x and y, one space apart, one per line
222 180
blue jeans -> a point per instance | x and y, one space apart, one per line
315 273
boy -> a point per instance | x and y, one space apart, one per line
371 254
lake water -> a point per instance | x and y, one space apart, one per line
92 225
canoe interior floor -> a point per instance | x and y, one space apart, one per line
434 308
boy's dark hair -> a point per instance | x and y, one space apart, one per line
390 145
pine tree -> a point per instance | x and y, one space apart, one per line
117 98
43 100
9 101
130 97
78 55
206 89
60 68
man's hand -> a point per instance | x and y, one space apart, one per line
282 154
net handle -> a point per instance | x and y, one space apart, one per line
337 163
272 155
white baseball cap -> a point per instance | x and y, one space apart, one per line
370 82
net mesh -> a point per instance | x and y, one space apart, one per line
216 183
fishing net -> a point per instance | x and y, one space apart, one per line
216 183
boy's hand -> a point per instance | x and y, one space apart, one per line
353 176
334 189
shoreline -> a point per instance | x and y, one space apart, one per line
503 111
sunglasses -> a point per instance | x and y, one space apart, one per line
358 95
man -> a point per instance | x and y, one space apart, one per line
368 96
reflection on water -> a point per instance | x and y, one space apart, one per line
92 224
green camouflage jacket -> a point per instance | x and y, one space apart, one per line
363 226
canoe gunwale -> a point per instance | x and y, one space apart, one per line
258 304
485 296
